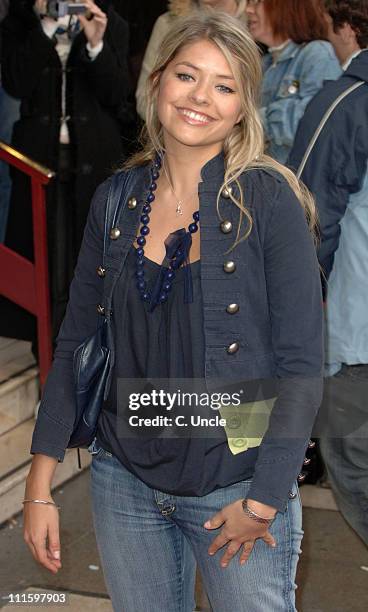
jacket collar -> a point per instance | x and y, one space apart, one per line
286 54
212 174
359 66
213 168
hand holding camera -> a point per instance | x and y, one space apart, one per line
94 27
91 18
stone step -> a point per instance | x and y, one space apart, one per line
14 448
18 399
14 466
16 366
19 386
19 396
12 351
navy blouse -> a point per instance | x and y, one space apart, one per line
165 343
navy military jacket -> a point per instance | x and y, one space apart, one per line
276 332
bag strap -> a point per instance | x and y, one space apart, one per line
324 120
118 184
114 206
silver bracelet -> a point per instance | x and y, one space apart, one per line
255 517
40 501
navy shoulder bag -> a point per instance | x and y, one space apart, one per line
91 362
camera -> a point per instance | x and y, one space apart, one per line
61 8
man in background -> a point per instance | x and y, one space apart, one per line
336 172
9 113
71 75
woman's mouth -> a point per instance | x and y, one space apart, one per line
193 117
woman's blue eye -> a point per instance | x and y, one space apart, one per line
225 89
183 76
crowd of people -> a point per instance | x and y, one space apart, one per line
79 94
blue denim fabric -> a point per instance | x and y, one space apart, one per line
150 542
344 443
288 85
337 174
9 113
346 311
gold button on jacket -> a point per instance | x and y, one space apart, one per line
233 348
115 233
132 203
227 191
232 308
229 266
226 227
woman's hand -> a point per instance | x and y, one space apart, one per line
41 533
40 521
238 531
94 29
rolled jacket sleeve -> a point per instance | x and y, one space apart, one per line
295 306
56 416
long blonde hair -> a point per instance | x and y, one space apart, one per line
244 146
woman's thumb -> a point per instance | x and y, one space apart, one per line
54 543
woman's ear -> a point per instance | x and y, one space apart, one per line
347 33
240 118
155 79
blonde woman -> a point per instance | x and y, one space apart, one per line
216 281
177 8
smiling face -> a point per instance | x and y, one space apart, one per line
198 102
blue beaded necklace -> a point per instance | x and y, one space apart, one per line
177 253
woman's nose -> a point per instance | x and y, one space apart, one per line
200 94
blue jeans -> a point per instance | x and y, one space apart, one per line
344 443
150 542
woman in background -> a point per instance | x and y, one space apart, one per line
177 8
298 61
